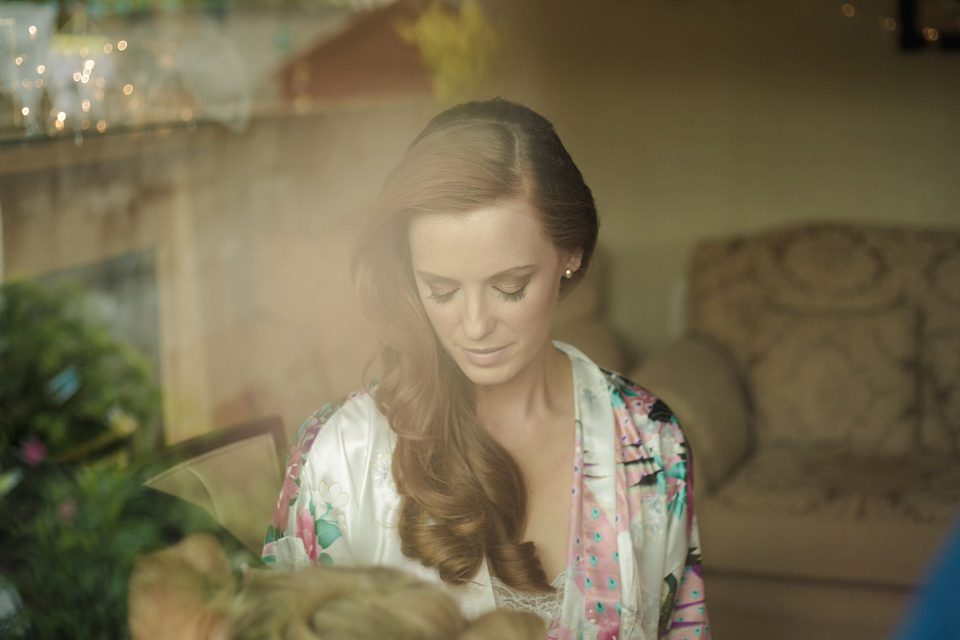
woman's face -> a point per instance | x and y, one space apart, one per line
489 282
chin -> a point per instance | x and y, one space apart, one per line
487 378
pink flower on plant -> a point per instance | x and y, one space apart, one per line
307 533
67 509
33 451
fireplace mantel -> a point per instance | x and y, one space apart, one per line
39 154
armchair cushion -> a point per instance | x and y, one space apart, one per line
941 360
790 546
836 380
836 484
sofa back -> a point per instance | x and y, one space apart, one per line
848 336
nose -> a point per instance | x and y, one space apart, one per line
477 320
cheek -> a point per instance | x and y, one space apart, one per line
441 318
533 315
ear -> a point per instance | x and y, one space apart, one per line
573 260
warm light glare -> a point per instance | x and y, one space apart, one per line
101 82
127 89
25 83
76 76
122 45
85 78
18 60
930 34
186 114
25 111
889 24
33 31
134 103
89 64
85 124
84 51
41 69
101 126
107 48
59 125
38 83
85 105
61 116
848 10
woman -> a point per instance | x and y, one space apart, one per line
510 468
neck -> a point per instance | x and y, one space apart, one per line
539 390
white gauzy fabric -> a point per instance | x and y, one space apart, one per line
545 605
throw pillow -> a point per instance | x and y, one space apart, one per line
836 380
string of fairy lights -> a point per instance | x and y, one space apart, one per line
78 80
888 23
90 87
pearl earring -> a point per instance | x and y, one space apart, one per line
568 274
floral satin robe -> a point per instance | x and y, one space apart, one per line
633 560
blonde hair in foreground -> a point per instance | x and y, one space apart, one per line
362 604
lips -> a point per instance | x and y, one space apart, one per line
484 357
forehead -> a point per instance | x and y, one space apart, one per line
479 243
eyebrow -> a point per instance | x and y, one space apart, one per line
514 271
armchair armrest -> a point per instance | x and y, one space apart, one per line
705 392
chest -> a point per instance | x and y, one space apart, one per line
549 474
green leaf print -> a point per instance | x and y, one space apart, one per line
327 533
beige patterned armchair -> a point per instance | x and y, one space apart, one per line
819 385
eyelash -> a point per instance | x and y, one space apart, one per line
441 298
513 296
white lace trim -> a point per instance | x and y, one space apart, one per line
545 605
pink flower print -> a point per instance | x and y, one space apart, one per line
306 533
293 465
33 451
308 433
288 491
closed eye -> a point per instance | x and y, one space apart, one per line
440 298
513 296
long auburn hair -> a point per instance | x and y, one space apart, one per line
463 495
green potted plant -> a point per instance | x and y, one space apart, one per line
75 516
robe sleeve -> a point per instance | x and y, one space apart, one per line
683 614
309 521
